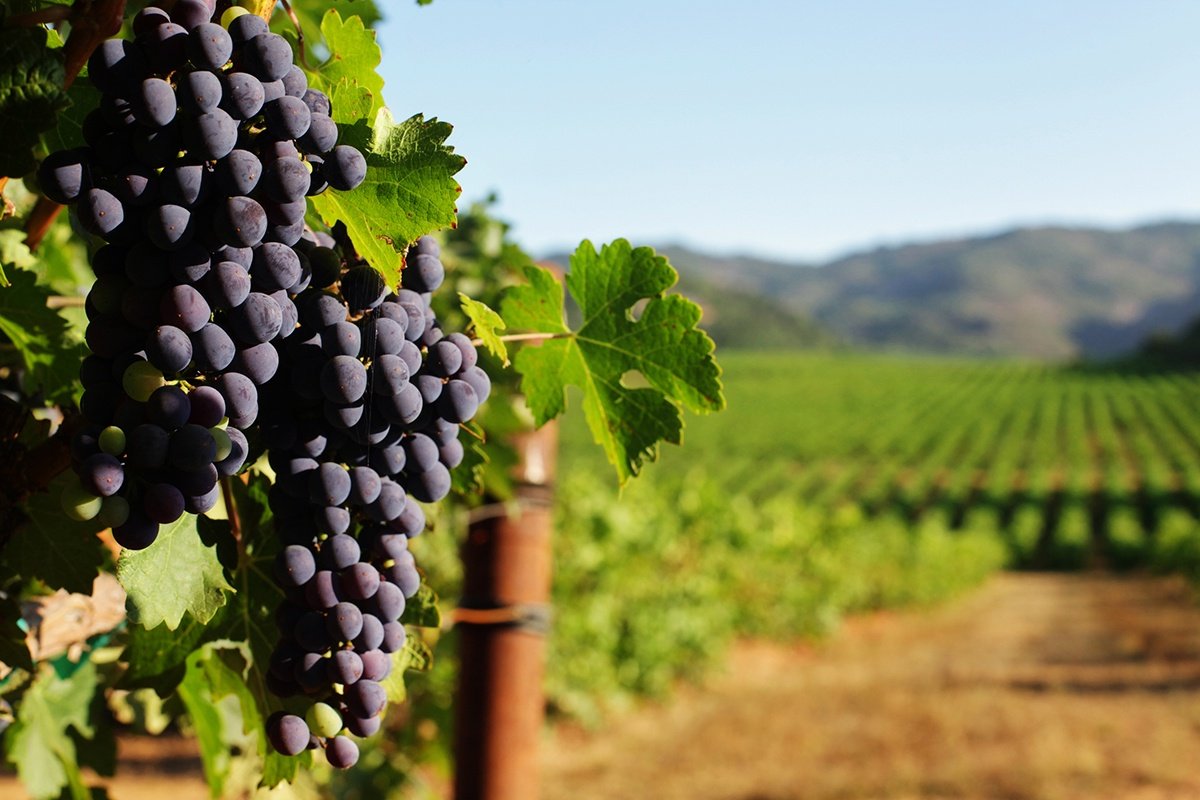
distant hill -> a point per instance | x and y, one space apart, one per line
1047 292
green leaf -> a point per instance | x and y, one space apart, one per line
198 695
612 349
352 68
409 190
487 324
422 609
31 95
38 742
179 574
157 656
50 547
67 132
40 335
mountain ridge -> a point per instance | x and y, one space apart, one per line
1046 291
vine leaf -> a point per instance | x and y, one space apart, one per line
351 69
31 95
422 609
179 574
488 325
157 656
50 547
409 190
662 348
39 742
39 334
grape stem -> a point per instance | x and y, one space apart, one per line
299 35
528 337
235 522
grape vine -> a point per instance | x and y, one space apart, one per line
267 410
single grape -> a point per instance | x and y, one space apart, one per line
141 379
343 379
185 308
288 118
155 106
112 440
146 446
137 533
169 226
286 180
387 602
208 407
198 92
100 212
79 503
212 349
341 752
258 363
365 698
258 319
213 135
169 408
363 288
276 266
163 503
268 56
345 168
393 637
224 444
424 273
339 552
209 46
376 665
358 582
227 285
323 720
114 511
295 565
458 402
320 592
344 621
430 486
239 222
341 339
191 448
365 487
239 172
287 732
322 134
371 636
184 184
63 175
345 668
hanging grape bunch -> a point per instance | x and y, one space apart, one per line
197 165
214 299
364 414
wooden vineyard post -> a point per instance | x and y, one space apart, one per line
502 623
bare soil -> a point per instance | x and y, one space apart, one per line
1036 686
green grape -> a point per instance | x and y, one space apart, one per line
232 13
323 720
79 503
140 380
114 511
224 443
112 440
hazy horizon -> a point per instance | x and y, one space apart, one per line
800 131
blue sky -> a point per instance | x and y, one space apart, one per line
801 129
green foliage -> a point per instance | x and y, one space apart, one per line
180 575
662 346
51 548
48 353
487 325
349 75
31 95
39 741
409 190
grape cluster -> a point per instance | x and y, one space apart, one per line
362 418
219 322
198 162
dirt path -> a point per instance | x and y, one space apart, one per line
1036 686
